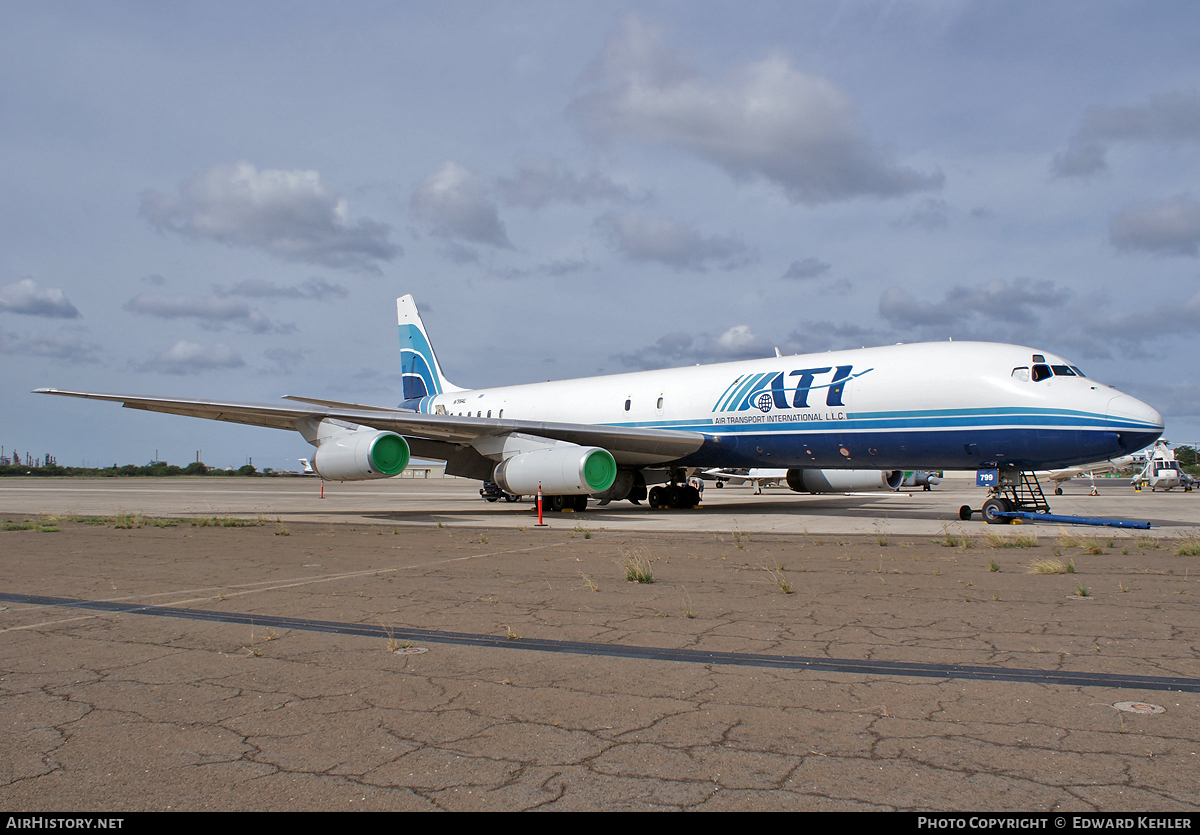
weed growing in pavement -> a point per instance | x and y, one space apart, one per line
1019 540
1052 567
638 567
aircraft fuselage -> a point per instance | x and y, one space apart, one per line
952 405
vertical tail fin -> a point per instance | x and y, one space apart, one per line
419 369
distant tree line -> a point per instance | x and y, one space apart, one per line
157 469
1186 456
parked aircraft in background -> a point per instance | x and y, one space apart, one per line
1162 471
921 478
1113 465
1002 409
308 470
810 481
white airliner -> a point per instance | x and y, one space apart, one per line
946 405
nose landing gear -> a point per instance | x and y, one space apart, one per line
1012 492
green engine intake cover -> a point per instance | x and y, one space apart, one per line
600 470
389 454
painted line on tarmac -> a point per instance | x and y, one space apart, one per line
692 656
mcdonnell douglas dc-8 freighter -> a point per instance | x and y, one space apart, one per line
1004 410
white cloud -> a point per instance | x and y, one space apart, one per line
314 289
815 336
1016 303
1137 333
1170 227
1172 117
284 360
808 268
213 312
929 214
455 201
189 358
25 297
677 349
537 184
292 214
64 345
678 245
768 120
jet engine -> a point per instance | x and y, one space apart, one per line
565 470
357 456
843 481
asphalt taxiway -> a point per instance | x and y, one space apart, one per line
457 501
405 645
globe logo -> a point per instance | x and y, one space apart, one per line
764 401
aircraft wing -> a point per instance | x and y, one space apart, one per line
628 445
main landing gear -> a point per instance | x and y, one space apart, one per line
491 492
1014 492
674 496
557 504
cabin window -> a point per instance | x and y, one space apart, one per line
1021 374
1042 372
501 413
489 412
1063 371
659 403
627 402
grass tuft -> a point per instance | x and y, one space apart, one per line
1019 540
780 580
953 539
638 567
1188 548
1052 567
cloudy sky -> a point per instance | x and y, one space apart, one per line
224 200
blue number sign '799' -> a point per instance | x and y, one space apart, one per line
987 478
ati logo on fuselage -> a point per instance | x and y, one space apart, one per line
786 389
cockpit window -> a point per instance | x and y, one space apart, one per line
1021 374
1042 372
1063 371
1075 368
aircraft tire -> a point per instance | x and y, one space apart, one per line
509 497
674 497
656 497
720 484
580 502
693 496
1058 491
964 513
993 506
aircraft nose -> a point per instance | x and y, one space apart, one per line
1138 424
